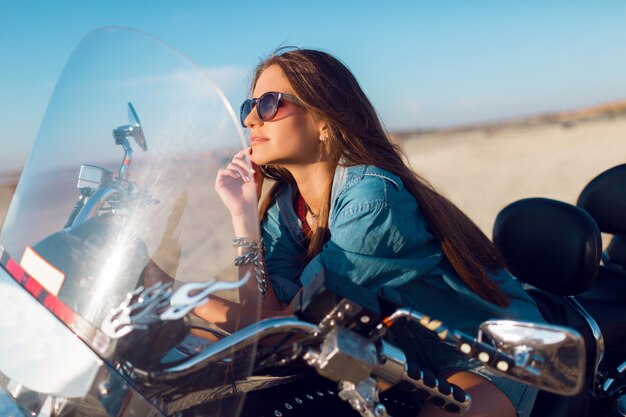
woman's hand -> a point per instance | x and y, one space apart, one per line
239 185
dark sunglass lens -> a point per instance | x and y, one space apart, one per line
246 108
268 105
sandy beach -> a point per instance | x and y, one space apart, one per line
6 193
482 169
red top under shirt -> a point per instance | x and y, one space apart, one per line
300 207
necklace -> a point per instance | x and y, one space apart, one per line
308 209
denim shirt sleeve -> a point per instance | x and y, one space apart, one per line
281 232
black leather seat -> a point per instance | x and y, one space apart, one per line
604 198
549 244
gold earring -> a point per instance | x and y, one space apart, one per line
323 138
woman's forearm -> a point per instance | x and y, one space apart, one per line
248 227
252 305
232 316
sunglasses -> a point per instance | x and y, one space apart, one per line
266 106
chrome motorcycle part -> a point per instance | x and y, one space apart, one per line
392 365
613 389
380 410
363 397
122 135
344 355
137 321
344 312
595 330
138 311
95 203
239 340
137 133
194 294
534 346
347 357
97 186
92 177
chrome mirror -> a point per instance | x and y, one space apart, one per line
137 132
123 133
122 136
551 358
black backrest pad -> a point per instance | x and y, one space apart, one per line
552 245
605 199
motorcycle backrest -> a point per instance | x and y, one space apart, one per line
549 244
604 198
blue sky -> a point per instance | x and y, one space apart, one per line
422 63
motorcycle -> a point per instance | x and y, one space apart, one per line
98 308
556 248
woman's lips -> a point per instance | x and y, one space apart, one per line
254 140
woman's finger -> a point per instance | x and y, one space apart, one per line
242 170
256 171
242 167
227 173
242 157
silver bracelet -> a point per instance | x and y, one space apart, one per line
255 258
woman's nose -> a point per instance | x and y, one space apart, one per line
252 119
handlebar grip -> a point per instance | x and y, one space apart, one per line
426 386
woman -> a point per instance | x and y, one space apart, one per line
344 200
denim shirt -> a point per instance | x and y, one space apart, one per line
379 237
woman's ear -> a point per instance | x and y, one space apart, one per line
323 130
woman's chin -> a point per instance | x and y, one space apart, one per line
258 159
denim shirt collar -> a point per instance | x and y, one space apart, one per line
339 181
346 176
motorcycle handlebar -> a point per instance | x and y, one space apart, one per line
237 341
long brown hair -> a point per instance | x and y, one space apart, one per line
356 137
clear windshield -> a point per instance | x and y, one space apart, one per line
117 195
